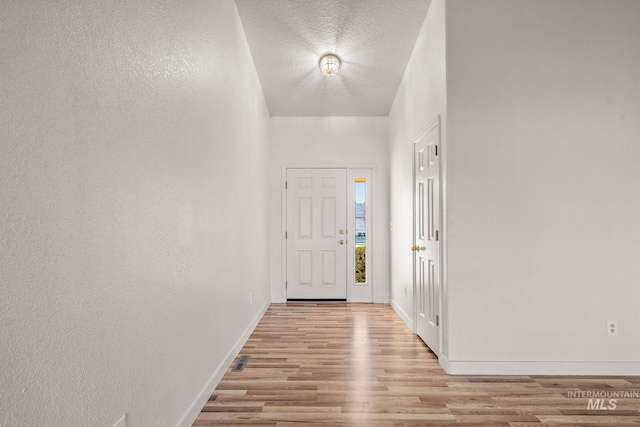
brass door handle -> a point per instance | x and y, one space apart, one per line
415 248
342 242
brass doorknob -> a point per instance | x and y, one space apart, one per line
342 242
415 248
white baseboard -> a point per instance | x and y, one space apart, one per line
404 316
381 299
194 410
615 368
444 363
277 299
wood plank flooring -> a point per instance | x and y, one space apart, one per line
359 365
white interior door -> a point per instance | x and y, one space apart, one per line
316 234
427 242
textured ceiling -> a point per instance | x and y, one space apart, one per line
373 38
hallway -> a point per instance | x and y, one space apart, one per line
359 365
144 149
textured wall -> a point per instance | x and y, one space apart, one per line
420 99
132 171
327 141
544 123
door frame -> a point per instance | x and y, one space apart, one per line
443 294
372 168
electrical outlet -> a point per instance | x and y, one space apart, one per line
251 297
122 422
612 328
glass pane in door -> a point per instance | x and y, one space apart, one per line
360 230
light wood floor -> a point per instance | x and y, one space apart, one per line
359 365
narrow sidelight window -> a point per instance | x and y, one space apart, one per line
361 230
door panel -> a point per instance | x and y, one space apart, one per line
305 268
328 267
305 227
316 254
427 245
328 217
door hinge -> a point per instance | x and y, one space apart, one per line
285 185
286 285
285 234
437 320
437 236
436 150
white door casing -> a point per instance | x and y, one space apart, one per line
315 248
426 236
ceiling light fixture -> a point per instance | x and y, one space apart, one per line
329 65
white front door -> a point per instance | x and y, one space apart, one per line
316 234
427 242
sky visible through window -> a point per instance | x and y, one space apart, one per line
361 192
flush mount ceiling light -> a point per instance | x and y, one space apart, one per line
329 65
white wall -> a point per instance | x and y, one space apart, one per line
322 141
543 129
133 144
420 99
